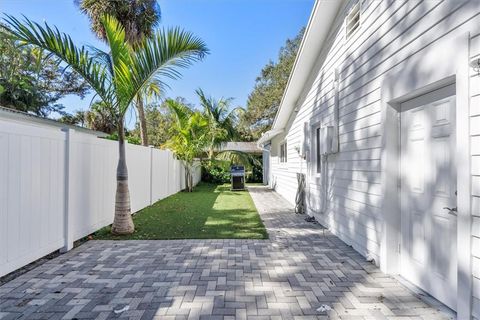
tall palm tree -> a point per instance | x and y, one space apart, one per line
222 120
117 76
139 18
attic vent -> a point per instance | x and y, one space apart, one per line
352 21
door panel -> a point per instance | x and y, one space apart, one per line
428 185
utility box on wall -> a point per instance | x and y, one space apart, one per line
327 140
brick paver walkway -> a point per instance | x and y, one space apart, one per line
296 274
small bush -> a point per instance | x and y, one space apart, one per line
215 174
256 174
129 137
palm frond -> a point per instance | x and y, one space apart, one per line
238 157
102 57
163 55
121 56
181 112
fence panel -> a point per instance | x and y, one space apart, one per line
138 163
58 185
93 184
32 184
160 183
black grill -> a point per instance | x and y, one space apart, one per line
237 174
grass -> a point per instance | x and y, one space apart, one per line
210 212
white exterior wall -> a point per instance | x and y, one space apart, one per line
392 34
44 180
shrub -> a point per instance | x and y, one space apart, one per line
256 173
215 174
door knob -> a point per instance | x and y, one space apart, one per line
452 211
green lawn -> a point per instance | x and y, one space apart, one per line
210 212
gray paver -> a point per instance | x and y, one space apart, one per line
289 276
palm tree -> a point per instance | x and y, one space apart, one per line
191 132
117 76
222 120
139 18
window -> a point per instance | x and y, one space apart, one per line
283 152
318 155
352 21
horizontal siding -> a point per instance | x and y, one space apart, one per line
392 32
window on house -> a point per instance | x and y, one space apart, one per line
352 21
318 154
283 152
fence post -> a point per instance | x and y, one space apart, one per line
151 174
69 158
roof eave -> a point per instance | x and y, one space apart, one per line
267 136
323 15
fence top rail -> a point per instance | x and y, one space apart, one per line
11 114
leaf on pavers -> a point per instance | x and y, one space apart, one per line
121 310
324 308
24 302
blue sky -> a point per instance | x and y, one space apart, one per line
242 35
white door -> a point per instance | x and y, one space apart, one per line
428 188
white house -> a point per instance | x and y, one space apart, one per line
382 115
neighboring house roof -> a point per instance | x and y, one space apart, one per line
318 28
20 115
247 147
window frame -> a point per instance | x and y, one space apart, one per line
283 154
315 150
318 150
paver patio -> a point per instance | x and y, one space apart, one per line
291 275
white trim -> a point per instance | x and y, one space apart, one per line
464 221
423 73
323 15
317 156
268 136
312 159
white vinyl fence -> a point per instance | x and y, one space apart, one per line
58 185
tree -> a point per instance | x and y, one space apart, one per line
190 137
33 82
117 76
159 119
139 18
98 118
222 120
77 118
263 101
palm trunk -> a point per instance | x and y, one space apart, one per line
191 181
211 150
188 178
122 221
143 121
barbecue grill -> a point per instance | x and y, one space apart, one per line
237 174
